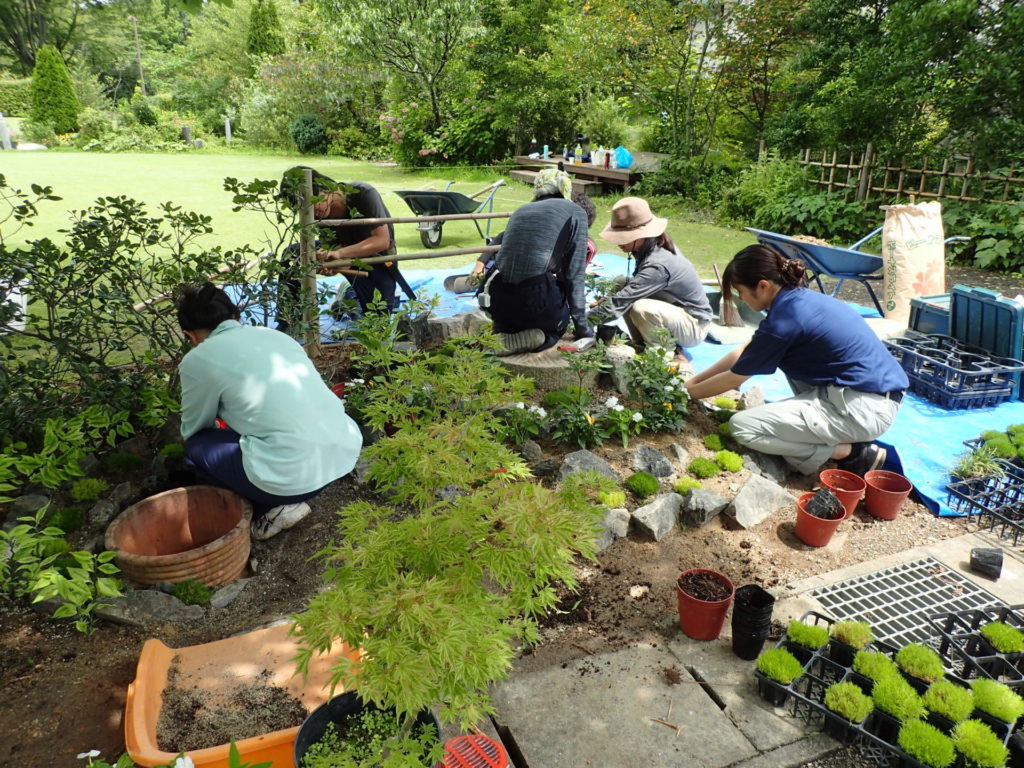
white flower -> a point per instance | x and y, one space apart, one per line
638 417
89 755
183 762
520 405
358 381
618 407
539 411
611 402
669 387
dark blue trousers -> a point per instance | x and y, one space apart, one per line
216 457
538 302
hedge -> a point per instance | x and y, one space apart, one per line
16 97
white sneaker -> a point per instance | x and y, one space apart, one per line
278 519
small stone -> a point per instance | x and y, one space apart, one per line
680 455
659 517
700 507
137 445
530 451
88 463
123 494
585 461
766 465
28 505
443 328
615 526
757 500
414 328
545 468
638 591
361 471
228 593
170 432
476 321
144 606
752 398
647 459
619 356
101 513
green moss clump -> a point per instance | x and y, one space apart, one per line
50 547
874 664
1003 637
88 489
811 636
725 403
703 468
780 665
192 592
927 744
1015 429
856 634
992 434
723 416
642 484
997 699
976 741
949 700
730 461
174 450
895 696
68 519
119 463
612 499
1001 447
725 429
713 442
686 484
920 661
848 700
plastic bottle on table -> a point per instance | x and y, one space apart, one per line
579 154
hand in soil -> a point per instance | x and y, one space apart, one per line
704 586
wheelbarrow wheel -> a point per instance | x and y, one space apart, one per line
431 237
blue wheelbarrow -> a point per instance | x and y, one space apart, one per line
431 202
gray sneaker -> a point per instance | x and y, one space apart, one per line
521 341
278 519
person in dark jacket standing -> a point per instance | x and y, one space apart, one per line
665 293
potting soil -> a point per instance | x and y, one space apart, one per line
704 586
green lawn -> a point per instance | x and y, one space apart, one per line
195 181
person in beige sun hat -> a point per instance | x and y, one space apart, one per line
664 294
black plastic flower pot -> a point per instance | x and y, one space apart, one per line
1001 728
841 653
802 652
863 682
775 693
916 683
884 726
941 722
748 645
839 728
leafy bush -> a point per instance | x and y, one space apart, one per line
93 125
612 499
642 484
353 142
927 744
874 664
920 661
976 741
823 215
1003 637
53 96
730 461
848 700
143 111
997 699
856 634
997 240
950 700
761 184
895 696
713 442
88 489
309 134
192 592
656 385
15 97
264 37
780 665
811 636
686 484
703 468
39 132
68 519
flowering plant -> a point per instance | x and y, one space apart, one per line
659 388
520 422
621 421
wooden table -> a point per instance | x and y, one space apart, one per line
618 177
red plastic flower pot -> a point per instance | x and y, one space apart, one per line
339 389
811 530
848 487
886 493
703 619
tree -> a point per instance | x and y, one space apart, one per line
28 25
53 97
265 38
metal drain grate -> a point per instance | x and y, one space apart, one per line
897 601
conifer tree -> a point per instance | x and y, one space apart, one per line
53 96
265 38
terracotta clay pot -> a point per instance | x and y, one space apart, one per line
886 493
811 530
848 487
703 619
199 533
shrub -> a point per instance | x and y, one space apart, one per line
920 661
39 133
725 403
997 699
848 700
88 489
949 700
713 442
53 95
702 468
68 519
94 125
119 463
15 97
686 484
308 134
352 142
856 634
976 741
612 499
1003 637
192 592
143 111
927 744
642 484
730 461
895 696
780 665
264 38
759 185
874 664
811 636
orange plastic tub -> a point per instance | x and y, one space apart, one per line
209 666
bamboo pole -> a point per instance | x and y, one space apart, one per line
412 256
412 219
308 266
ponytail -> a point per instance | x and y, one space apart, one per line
761 262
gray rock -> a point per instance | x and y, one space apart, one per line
160 467
444 328
96 544
404 347
197 143
614 526
227 594
164 586
123 494
545 468
137 445
414 328
141 607
757 499
530 451
619 356
763 464
680 455
27 505
647 459
476 321
450 493
585 461
101 513
700 507
88 463
659 517
752 398
361 471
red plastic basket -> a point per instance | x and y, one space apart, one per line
474 751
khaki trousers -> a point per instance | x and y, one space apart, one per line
647 316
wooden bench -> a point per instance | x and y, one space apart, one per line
578 185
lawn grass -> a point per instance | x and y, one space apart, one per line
194 180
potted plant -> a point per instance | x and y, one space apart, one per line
873 666
926 744
847 701
948 704
980 747
780 666
997 701
818 515
899 702
704 597
805 638
920 664
1004 638
846 638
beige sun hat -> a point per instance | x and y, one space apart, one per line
632 220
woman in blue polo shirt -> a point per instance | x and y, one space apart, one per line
847 386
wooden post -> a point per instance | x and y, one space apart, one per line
902 176
967 177
864 182
924 176
943 177
307 261
832 170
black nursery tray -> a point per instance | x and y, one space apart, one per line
968 655
998 502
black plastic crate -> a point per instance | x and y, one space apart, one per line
997 501
968 655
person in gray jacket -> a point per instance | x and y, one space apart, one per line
665 293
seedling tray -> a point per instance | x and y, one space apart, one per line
968 654
997 501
